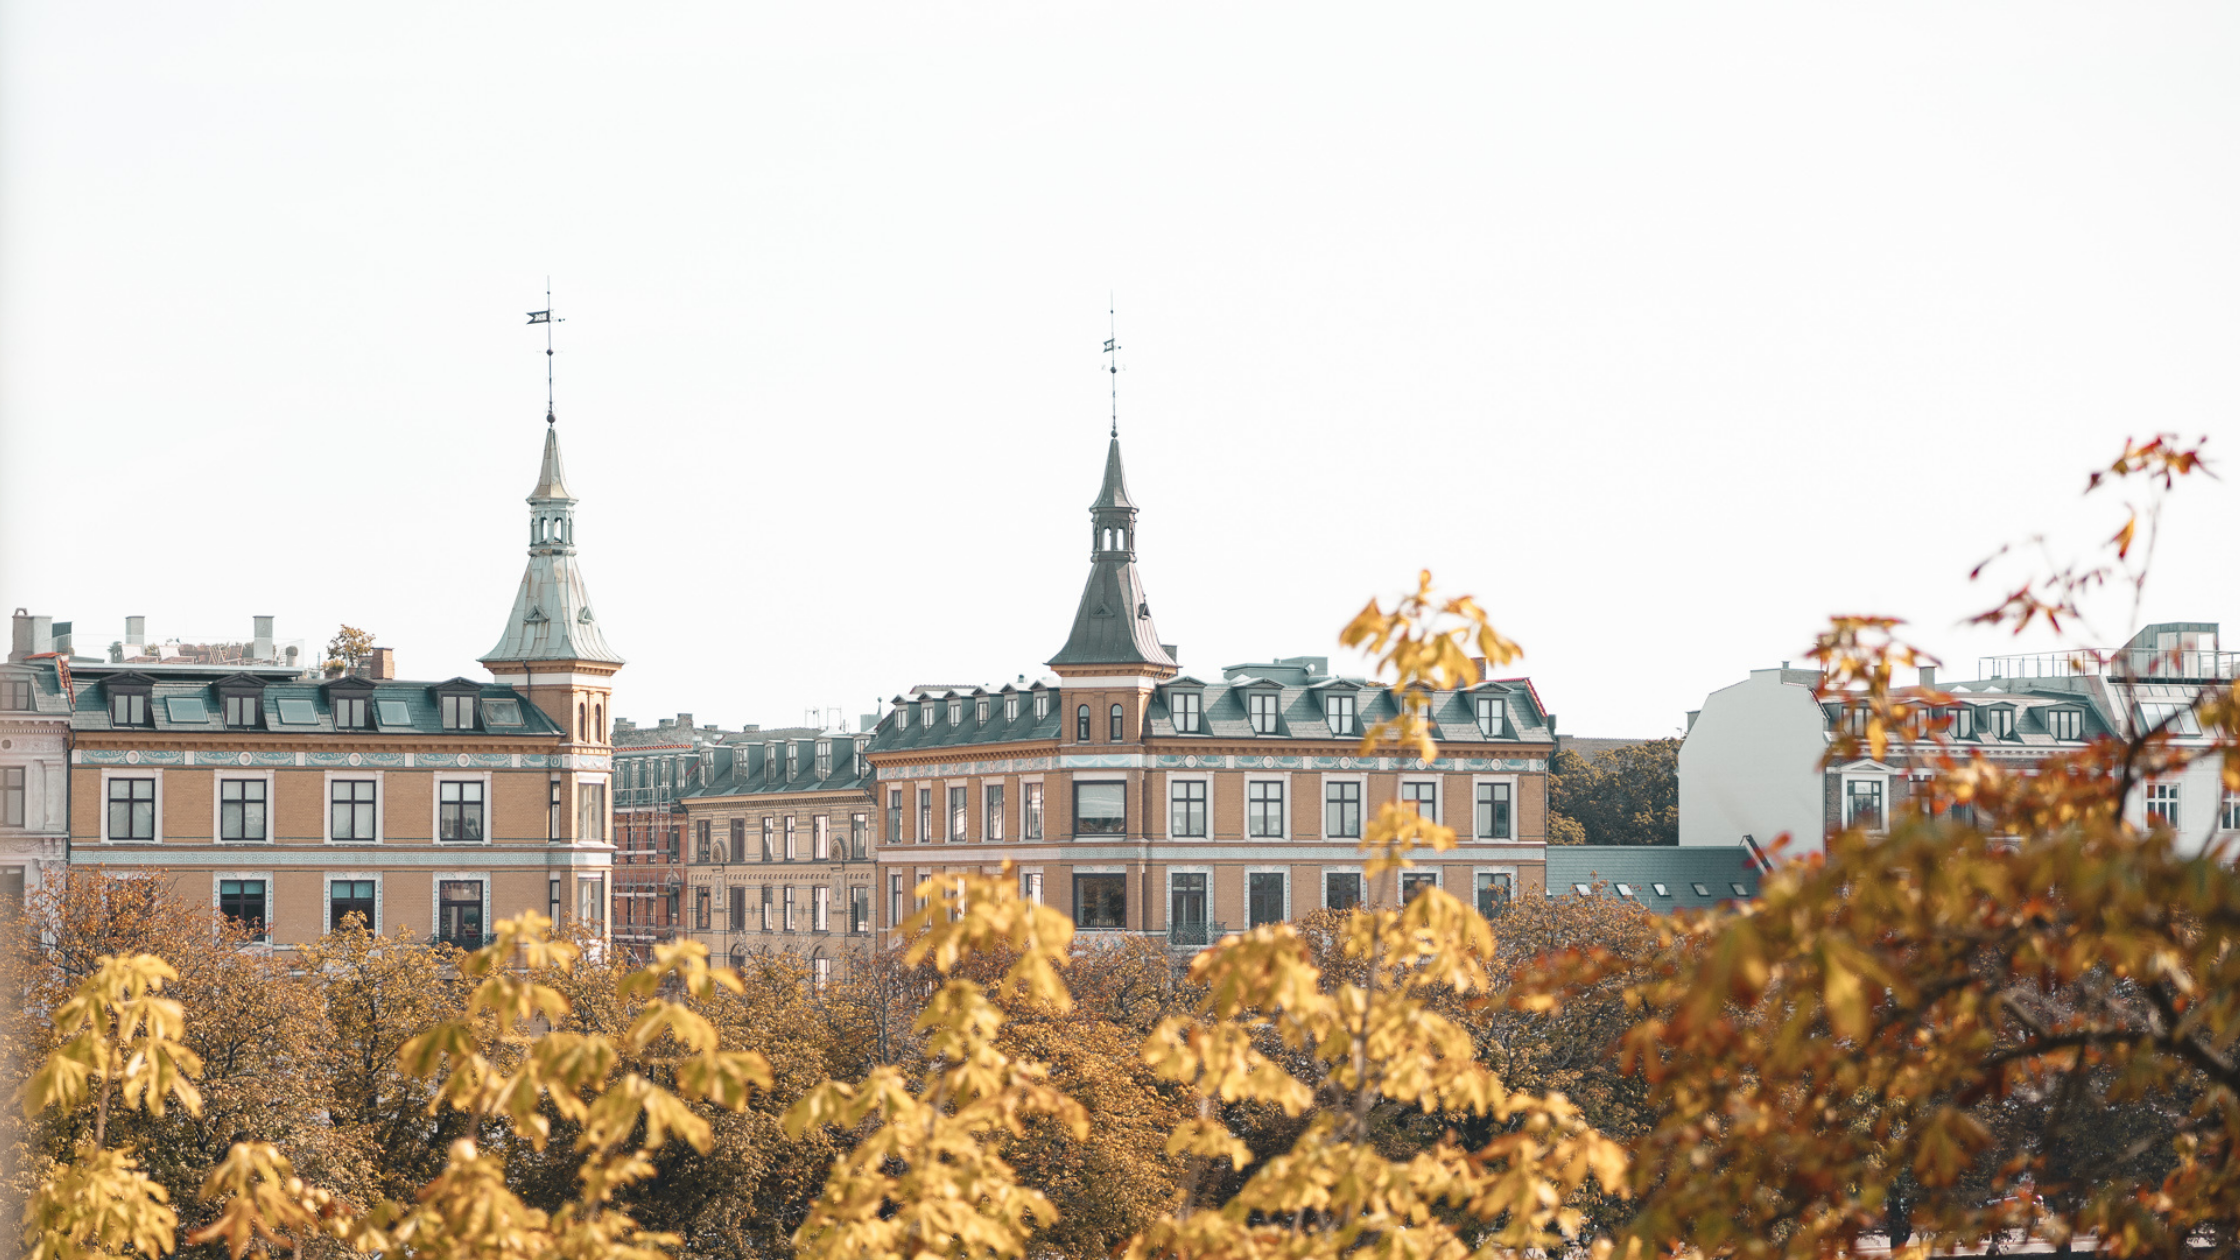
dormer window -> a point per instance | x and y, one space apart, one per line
1493 716
349 713
1260 707
980 710
458 711
128 709
824 758
956 712
1855 719
925 714
2065 723
1011 708
1338 712
1188 708
2002 723
793 761
241 710
1041 705
772 763
1964 723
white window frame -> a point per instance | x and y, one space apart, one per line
1030 884
2168 791
380 807
1500 707
1261 868
820 908
1322 802
326 897
1322 890
217 804
992 827
955 830
1400 880
1168 821
1011 708
1438 784
1166 909
820 838
435 900
1515 812
435 808
1042 795
1516 878
789 828
217 879
1283 785
2228 816
1845 800
127 772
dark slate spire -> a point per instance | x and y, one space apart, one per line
1113 624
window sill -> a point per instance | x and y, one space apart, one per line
226 840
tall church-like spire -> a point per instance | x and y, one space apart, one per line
552 618
1113 624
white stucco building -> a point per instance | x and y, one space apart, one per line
34 761
1750 765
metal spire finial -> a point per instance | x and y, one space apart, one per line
1112 347
545 317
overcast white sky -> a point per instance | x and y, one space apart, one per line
1668 330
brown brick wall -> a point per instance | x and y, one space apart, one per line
519 804
186 804
299 808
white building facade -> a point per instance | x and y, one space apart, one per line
34 762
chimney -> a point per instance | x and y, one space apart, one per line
29 633
261 649
380 663
1929 677
135 635
684 721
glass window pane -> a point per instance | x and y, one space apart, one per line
1100 809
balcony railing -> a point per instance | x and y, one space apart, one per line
1194 935
2141 664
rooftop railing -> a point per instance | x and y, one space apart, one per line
2135 664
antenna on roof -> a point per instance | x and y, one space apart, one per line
545 317
1112 347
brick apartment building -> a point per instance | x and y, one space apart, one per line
1141 799
291 800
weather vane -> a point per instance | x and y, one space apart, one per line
545 317
1112 347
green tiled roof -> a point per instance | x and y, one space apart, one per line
1642 867
424 715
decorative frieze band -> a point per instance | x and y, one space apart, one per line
326 757
1221 761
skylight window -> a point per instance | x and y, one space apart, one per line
502 712
1739 890
1660 890
297 712
393 712
1625 890
1582 890
186 709
1702 890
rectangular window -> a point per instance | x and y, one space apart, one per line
1263 809
793 845
2229 817
1030 886
820 838
1424 795
350 810
2162 805
1413 883
1100 809
769 919
2002 723
737 921
349 713
1493 892
1189 712
1862 805
18 695
594 828
554 830
1342 810
859 836
1100 901
132 809
991 811
1338 710
700 911
820 909
241 710
459 812
459 912
925 815
1041 706
956 712
859 910
1493 811
2066 723
1189 809
1186 909
458 713
346 897
12 795
1264 897
894 815
1963 723
957 814
1492 716
1261 706
738 840
980 711
242 902
785 904
824 758
128 709
703 851
820 972
241 809
1341 890
895 915
1030 823
769 838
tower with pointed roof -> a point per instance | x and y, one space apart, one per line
554 653
1113 658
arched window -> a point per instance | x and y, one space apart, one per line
1118 732
1081 725
599 722
580 735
